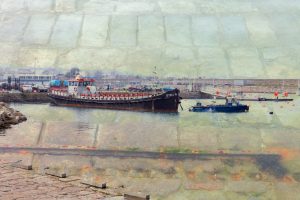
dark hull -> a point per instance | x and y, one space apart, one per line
266 99
166 102
220 108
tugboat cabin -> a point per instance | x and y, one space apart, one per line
81 86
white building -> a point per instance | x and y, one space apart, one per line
28 78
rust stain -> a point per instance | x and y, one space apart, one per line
86 169
285 153
23 152
236 176
205 186
213 177
98 179
191 175
196 151
288 179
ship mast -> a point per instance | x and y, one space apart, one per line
35 62
155 77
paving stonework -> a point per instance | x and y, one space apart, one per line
20 184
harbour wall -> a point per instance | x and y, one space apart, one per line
25 97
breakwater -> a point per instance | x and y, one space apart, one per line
9 116
195 95
24 97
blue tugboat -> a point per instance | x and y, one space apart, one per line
231 106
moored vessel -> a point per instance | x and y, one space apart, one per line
266 99
82 92
231 106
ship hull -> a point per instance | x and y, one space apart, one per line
166 102
220 108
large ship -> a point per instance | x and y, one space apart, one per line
82 92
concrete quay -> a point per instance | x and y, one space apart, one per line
20 184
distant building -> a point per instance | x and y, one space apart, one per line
34 78
28 78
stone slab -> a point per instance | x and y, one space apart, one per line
96 7
151 31
65 5
68 134
55 172
66 31
12 28
286 28
24 134
136 167
123 31
211 53
213 68
178 30
39 29
240 140
134 7
204 138
287 190
142 61
260 30
205 31
248 186
13 6
234 31
100 59
279 137
40 5
8 52
61 164
245 58
22 159
94 31
281 61
22 166
179 53
39 57
177 7
136 135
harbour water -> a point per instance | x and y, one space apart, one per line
217 135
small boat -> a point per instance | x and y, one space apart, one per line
231 106
82 92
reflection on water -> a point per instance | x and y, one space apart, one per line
255 132
271 164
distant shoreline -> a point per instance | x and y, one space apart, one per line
39 98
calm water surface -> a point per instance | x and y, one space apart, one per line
254 132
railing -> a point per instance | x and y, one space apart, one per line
104 96
59 93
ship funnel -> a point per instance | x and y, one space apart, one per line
78 77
